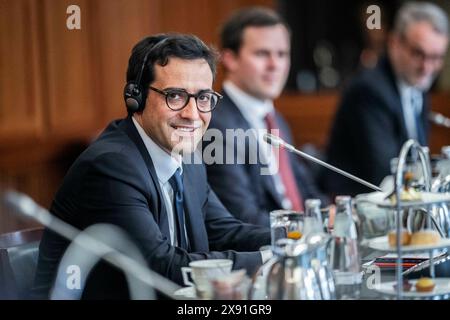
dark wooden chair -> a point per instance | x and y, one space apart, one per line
18 260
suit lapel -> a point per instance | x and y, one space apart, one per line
394 100
161 217
269 186
424 121
397 107
240 122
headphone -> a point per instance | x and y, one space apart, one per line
132 92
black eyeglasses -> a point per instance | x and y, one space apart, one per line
420 55
177 99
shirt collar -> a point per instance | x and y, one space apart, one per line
407 92
165 164
249 106
404 87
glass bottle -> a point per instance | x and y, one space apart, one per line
313 217
318 240
344 255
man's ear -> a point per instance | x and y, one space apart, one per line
229 60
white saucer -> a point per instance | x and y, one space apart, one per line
186 293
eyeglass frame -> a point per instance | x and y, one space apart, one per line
420 55
190 95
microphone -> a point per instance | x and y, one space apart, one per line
280 143
24 205
439 119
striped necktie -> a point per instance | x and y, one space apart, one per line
285 169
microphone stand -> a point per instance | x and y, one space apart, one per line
280 143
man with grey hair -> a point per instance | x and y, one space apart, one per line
385 106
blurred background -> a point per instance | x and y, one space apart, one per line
59 87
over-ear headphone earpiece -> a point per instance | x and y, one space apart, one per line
132 92
133 97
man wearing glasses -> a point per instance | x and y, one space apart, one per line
133 175
387 105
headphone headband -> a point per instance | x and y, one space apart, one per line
133 92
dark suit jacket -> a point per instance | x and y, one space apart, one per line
114 181
246 193
368 131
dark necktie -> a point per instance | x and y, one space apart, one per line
285 169
176 181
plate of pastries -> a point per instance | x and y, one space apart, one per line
418 288
421 240
409 198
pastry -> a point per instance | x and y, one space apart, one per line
406 285
295 235
405 238
425 237
425 285
406 195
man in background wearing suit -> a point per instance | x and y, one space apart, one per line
133 175
256 55
385 106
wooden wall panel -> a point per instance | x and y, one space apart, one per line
440 136
310 116
116 28
70 70
21 90
201 17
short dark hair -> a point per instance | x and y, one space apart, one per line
160 48
233 29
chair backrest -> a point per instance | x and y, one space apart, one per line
19 252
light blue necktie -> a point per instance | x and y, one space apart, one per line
416 103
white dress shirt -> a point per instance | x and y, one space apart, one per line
165 167
254 111
412 101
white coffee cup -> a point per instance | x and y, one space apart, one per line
203 271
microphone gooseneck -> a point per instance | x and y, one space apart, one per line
26 206
439 119
280 143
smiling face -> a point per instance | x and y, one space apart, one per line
177 131
261 65
419 54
